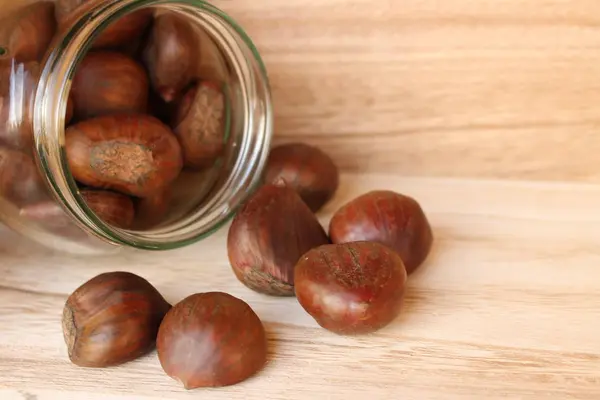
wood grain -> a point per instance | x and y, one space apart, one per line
507 306
456 94
477 88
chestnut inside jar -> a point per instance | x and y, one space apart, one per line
165 104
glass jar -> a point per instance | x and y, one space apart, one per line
96 155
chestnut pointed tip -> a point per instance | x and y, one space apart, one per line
167 94
182 383
280 182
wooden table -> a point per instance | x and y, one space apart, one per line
486 111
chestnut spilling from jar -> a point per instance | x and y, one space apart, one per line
155 122
116 143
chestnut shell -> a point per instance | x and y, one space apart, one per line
268 236
351 288
199 124
134 154
211 340
306 169
390 218
108 82
111 319
151 211
20 181
171 55
114 208
28 32
118 33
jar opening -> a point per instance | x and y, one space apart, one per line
228 84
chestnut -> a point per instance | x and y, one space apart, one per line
26 34
351 288
134 154
199 124
111 319
20 181
211 340
151 211
306 169
119 32
171 55
113 208
107 83
390 218
267 237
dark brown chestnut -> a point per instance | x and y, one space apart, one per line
351 288
306 169
390 218
127 28
171 55
111 319
267 237
20 181
108 82
151 211
211 340
113 208
199 124
26 34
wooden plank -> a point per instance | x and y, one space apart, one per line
507 305
491 88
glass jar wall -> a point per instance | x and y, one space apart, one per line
131 123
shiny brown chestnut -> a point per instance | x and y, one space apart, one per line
20 181
116 34
108 82
199 124
134 154
26 34
171 55
151 211
211 340
113 208
267 237
306 169
390 218
351 288
111 319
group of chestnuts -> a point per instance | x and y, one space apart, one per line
351 280
144 105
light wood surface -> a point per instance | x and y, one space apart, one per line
507 306
487 112
478 88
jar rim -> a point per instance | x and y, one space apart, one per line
49 125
